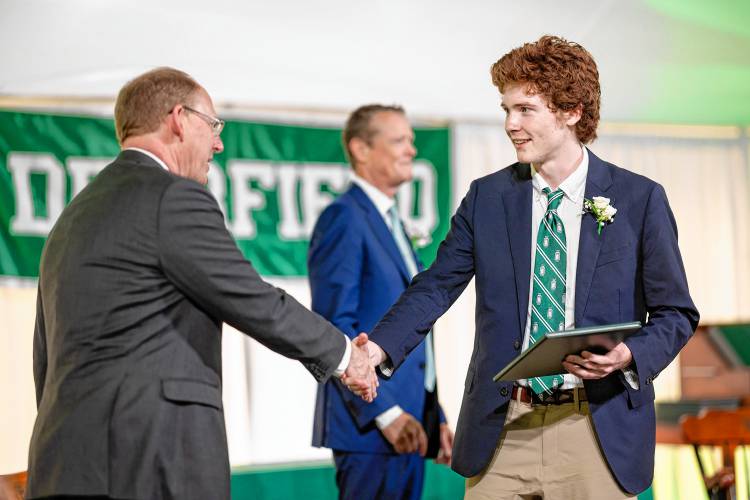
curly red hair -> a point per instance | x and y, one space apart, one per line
561 71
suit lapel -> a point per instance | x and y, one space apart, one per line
598 181
517 203
380 230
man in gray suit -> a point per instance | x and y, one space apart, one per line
135 280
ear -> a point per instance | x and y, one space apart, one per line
574 115
176 122
359 150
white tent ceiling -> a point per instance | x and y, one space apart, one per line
663 61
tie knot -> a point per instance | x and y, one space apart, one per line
553 198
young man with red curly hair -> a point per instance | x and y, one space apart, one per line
548 253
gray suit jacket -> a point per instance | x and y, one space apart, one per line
135 280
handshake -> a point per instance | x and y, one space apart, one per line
360 377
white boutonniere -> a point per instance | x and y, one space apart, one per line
418 237
603 212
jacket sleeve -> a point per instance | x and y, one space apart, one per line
432 291
200 257
672 316
335 267
40 348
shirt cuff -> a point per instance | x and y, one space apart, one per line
631 377
344 360
388 416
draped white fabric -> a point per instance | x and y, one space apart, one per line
269 400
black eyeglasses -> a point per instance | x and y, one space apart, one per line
216 124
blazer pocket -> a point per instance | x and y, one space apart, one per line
643 395
191 392
607 256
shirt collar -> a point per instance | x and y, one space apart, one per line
150 155
573 186
381 200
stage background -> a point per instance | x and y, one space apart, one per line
272 182
272 67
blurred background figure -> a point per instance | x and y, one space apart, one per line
360 260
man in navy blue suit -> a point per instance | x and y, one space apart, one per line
360 261
546 259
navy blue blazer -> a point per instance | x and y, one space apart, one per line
356 273
632 271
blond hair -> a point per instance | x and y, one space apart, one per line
145 100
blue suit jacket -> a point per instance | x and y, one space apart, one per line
632 271
356 273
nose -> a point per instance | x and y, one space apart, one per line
412 150
218 145
511 122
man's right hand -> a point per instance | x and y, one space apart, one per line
360 376
406 435
377 354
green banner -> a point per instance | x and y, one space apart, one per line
272 181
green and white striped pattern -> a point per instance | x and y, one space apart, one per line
548 297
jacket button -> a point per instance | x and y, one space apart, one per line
517 344
504 391
421 366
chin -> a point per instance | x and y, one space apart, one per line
200 179
524 157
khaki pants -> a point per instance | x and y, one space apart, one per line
549 452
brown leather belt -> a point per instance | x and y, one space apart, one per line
558 397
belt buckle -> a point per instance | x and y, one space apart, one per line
541 399
557 397
553 398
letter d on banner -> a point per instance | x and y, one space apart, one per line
22 166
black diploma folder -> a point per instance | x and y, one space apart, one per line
546 356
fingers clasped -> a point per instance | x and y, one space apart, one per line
360 376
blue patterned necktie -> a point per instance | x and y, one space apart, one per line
548 297
405 249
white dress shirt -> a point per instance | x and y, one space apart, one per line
382 201
570 211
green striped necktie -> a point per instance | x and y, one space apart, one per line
548 297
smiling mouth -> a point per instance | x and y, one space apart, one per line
519 142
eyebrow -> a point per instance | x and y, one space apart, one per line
527 104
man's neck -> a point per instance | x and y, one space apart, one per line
555 171
155 147
389 191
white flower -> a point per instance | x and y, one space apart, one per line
602 211
600 202
609 212
418 236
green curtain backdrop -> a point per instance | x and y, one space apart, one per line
272 181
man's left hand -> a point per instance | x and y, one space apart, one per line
446 445
594 366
